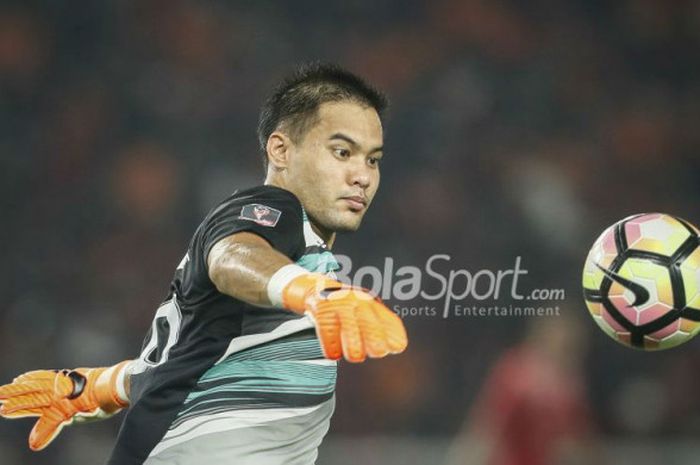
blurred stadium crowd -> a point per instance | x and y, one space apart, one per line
516 129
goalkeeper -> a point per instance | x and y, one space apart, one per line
239 365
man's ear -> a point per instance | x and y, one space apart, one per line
278 150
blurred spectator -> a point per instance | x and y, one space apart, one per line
532 408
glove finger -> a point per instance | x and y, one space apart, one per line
394 329
18 389
373 335
21 413
29 401
38 377
37 381
327 329
350 334
45 430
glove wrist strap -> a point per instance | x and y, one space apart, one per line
109 388
280 280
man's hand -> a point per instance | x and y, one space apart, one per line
61 397
350 322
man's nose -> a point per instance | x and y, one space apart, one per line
360 176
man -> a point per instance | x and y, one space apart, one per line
240 363
533 408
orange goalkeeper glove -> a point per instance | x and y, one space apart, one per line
350 322
62 397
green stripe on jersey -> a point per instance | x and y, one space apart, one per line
275 367
322 262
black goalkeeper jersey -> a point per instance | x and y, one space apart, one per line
208 353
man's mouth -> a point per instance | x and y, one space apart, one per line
355 202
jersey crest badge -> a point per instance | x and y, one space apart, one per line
261 214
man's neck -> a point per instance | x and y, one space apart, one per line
327 236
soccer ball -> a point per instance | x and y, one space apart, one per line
641 281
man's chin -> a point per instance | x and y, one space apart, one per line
339 221
349 225
348 228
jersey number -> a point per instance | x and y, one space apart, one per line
165 331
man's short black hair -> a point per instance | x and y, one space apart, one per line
294 104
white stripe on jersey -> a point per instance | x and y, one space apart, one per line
226 421
320 361
288 327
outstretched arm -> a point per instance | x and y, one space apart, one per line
62 397
350 322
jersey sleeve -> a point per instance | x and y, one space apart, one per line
270 212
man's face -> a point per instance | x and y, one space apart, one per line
334 169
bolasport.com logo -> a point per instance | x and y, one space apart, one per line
452 292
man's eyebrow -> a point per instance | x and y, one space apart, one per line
350 141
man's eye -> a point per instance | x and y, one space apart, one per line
342 153
373 161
